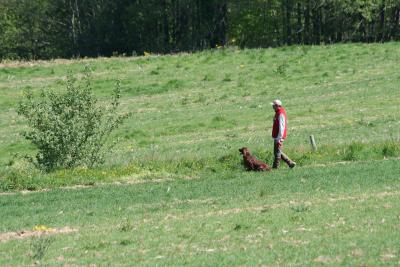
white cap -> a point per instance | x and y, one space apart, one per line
276 102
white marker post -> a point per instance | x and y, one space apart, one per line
313 144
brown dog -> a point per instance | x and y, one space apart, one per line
251 162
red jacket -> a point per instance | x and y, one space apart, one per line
280 124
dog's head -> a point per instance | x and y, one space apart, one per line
245 151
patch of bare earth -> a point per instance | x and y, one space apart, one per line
357 252
23 192
388 255
76 187
226 212
5 237
295 242
323 259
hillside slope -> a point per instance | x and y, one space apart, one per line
174 191
195 110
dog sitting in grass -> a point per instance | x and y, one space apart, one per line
252 163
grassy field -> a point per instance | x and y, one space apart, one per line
193 111
174 191
347 214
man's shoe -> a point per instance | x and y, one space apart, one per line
276 163
292 165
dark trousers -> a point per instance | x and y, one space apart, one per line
278 155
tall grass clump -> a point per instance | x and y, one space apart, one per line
39 246
391 148
70 128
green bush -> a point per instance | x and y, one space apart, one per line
354 151
391 149
70 128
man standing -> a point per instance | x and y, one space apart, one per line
279 130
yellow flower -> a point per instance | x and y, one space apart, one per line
42 228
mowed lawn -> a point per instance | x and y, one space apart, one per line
345 214
208 104
173 190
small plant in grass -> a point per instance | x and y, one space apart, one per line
39 246
301 208
184 100
70 128
281 69
246 93
200 98
305 50
227 78
154 72
240 82
219 118
126 242
354 151
126 226
206 78
391 149
365 122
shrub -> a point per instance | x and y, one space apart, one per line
391 149
39 246
70 128
354 151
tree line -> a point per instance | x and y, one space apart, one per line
42 29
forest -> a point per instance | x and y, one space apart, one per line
46 29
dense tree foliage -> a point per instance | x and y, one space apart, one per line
72 28
275 23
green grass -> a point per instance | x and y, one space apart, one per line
203 106
174 192
342 215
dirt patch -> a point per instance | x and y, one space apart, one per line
55 62
357 252
327 260
45 63
388 255
38 231
287 204
295 242
319 165
97 185
23 192
7 193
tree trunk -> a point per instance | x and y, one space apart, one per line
288 22
395 34
382 22
283 37
299 25
165 26
316 20
174 13
219 35
197 23
75 26
307 23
